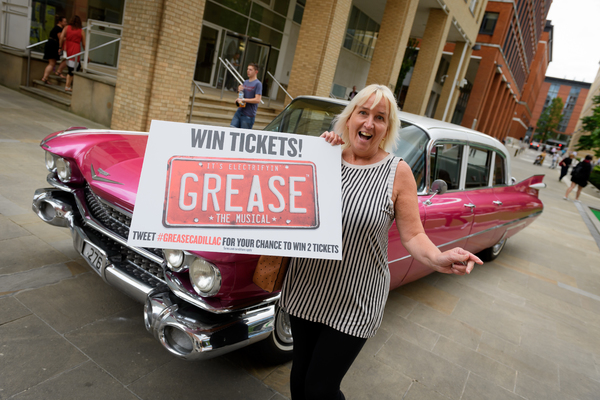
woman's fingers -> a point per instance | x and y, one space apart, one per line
332 137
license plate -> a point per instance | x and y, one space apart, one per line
94 255
240 193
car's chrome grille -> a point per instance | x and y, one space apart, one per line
137 266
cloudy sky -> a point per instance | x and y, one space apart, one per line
576 50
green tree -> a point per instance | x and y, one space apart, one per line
591 125
550 119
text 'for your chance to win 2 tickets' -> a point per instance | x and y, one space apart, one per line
218 189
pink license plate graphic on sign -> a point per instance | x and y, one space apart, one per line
221 192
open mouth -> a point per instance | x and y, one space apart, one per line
365 135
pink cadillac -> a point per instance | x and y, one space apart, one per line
199 305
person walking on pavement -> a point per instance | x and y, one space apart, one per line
580 176
555 157
52 50
564 165
248 103
72 39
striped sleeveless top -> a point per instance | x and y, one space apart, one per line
349 295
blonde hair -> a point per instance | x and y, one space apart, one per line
381 92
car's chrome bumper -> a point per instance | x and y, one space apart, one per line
183 329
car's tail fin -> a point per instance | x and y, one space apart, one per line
531 185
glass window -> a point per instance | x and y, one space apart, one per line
499 170
282 6
412 146
267 35
299 11
489 23
306 117
242 6
268 17
361 34
225 18
445 160
478 168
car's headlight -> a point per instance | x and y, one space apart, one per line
174 259
50 162
205 277
63 169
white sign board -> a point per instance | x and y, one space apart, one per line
210 188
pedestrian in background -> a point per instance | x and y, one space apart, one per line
555 158
52 50
335 305
247 103
72 39
564 165
579 176
352 93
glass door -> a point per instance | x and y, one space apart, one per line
233 50
207 53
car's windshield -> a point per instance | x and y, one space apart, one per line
313 117
306 117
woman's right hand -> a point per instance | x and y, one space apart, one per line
333 138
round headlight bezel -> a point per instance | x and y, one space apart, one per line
196 268
175 259
63 169
50 160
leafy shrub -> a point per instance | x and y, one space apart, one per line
595 176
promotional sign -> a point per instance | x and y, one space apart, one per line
232 190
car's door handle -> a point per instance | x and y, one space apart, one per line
470 205
497 202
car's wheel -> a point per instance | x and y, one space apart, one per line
279 346
491 253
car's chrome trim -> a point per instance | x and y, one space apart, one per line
163 319
53 180
95 177
180 291
519 222
94 132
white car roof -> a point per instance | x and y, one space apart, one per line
436 129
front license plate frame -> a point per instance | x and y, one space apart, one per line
94 255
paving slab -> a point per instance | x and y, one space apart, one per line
11 310
121 345
76 302
31 352
86 381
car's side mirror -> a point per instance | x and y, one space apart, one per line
437 187
513 180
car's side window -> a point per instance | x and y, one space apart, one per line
478 168
499 170
445 161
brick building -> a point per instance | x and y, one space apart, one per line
573 95
516 47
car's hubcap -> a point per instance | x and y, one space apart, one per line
283 328
497 248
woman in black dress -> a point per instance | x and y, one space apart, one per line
52 49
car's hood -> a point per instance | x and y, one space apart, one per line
110 161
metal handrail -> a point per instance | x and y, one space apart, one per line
36 44
282 88
195 86
333 96
95 48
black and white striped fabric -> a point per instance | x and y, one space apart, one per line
350 295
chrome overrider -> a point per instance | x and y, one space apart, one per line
185 328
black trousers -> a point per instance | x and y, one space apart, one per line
322 356
563 171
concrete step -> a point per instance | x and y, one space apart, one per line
46 97
230 110
208 118
57 90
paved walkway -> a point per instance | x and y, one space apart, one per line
522 327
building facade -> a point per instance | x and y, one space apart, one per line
573 95
516 47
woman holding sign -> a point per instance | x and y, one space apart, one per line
335 306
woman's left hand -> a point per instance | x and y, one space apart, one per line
456 261
333 138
